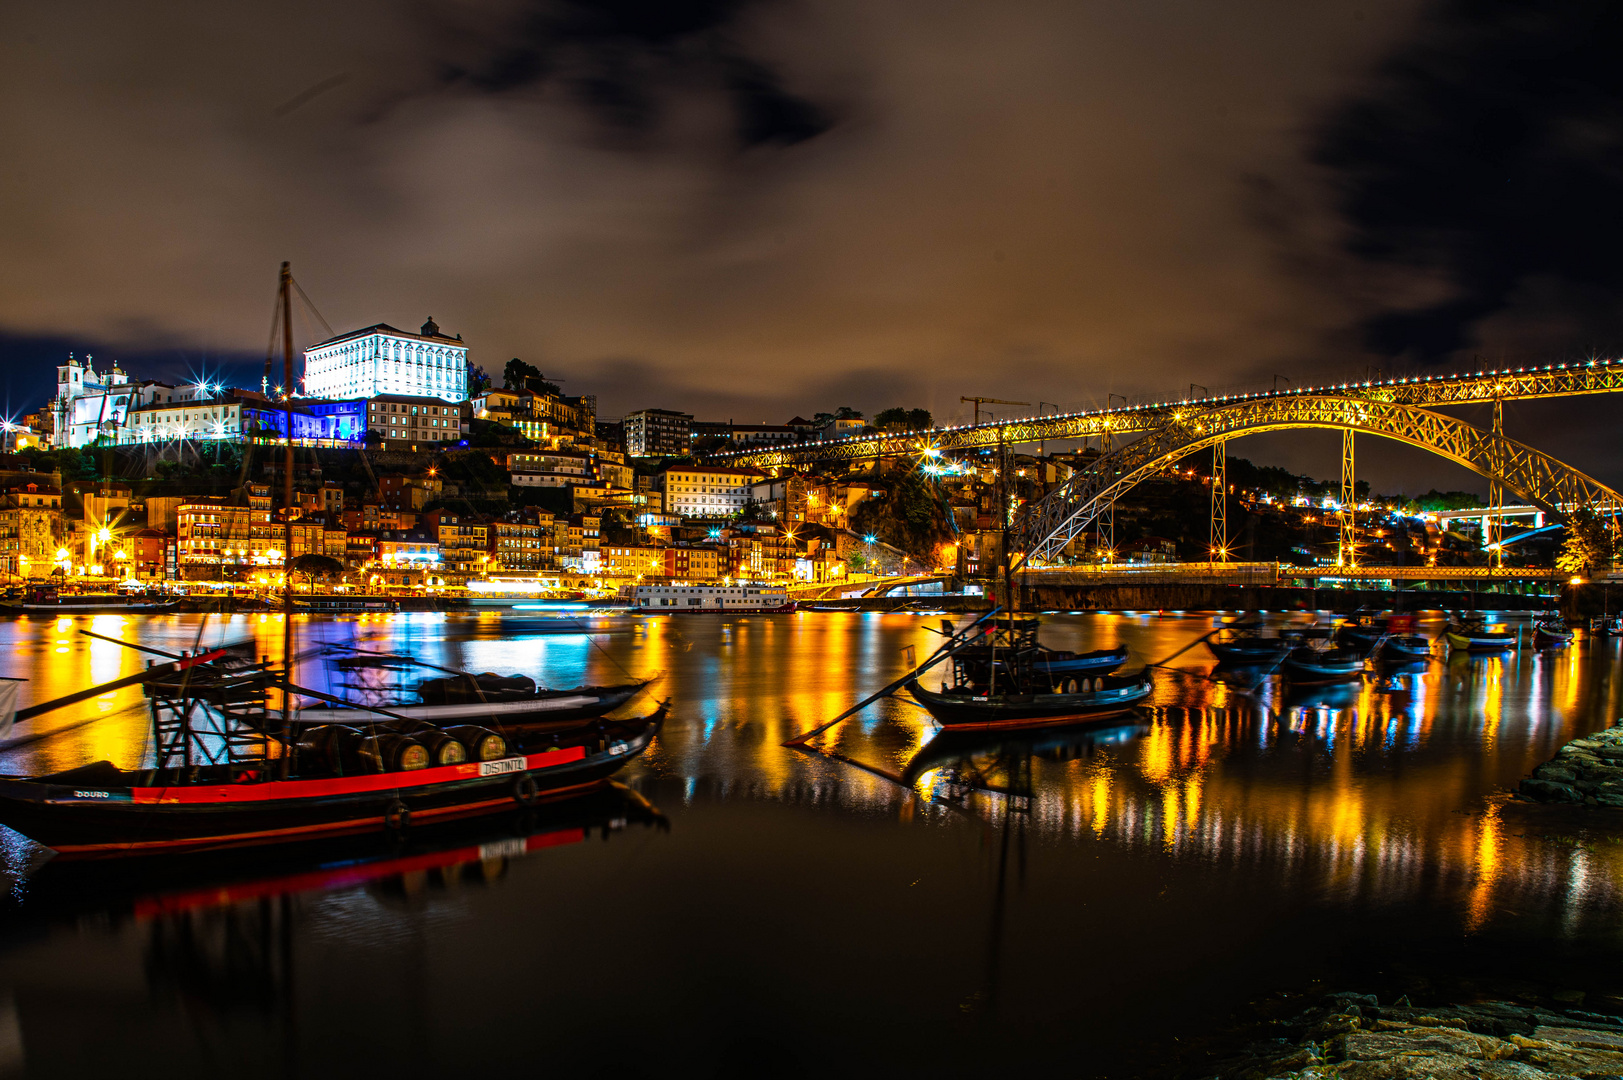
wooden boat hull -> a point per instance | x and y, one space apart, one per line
1552 639
78 819
1314 671
957 712
552 709
1256 652
64 888
1482 643
1405 649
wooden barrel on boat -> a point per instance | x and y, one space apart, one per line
323 747
481 743
443 748
391 752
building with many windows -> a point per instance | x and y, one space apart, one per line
383 360
400 422
707 491
658 433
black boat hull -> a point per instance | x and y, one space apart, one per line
1259 652
1405 650
96 822
1019 712
1319 670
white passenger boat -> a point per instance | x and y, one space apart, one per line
709 599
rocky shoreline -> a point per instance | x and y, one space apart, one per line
1588 770
1353 1036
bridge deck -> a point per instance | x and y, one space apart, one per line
1268 573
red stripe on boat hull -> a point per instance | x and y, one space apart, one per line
279 790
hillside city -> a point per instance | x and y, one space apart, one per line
415 472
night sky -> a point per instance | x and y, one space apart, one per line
748 210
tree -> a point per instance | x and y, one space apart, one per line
518 375
314 566
478 381
1588 545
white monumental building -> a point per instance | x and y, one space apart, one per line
383 360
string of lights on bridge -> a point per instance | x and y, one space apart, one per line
1308 391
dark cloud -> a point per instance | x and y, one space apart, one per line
624 59
777 206
1482 174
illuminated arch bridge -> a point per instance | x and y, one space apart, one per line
1046 527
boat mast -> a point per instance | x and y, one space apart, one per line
287 502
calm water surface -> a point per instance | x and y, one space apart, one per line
1073 903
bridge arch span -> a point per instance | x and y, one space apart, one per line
1045 527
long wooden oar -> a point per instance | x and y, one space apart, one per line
159 652
1198 641
157 671
952 645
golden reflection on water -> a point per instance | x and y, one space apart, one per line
1391 789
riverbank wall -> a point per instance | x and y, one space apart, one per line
1208 597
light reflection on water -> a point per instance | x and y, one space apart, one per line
1227 801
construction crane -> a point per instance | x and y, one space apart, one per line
979 401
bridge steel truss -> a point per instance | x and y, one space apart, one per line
1471 388
1045 527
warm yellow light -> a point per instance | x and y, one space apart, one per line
63 555
1576 581
105 535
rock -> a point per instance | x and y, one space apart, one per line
1583 1036
1602 773
1603 798
1548 791
1438 1067
1572 1061
1339 1024
1556 774
1377 1045
1346 999
1597 1018
1609 753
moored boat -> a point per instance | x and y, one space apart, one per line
1249 650
1475 637
100 810
1551 634
1404 648
741 599
543 707
1056 664
1307 666
961 708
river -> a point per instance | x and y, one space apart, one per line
1092 902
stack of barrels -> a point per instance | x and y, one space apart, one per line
399 746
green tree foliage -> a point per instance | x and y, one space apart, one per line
908 419
315 566
911 517
1588 546
518 375
1435 500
